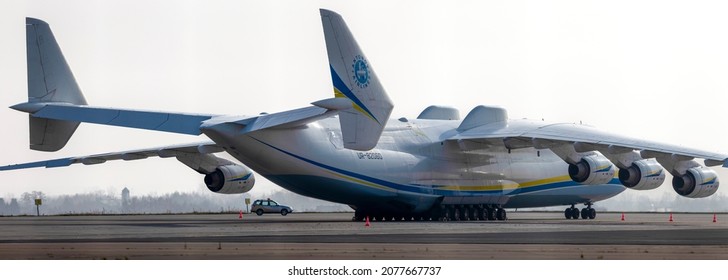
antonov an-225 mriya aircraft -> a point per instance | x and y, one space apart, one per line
346 150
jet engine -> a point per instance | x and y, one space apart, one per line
642 175
592 170
230 179
697 182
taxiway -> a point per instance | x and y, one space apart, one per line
526 235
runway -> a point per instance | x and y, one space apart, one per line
526 235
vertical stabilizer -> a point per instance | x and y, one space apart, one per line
354 78
49 81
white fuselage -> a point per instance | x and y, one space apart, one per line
411 169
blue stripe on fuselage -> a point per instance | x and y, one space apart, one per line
424 189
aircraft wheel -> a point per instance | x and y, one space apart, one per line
492 214
592 213
567 213
439 214
454 214
575 213
259 212
585 213
482 214
501 214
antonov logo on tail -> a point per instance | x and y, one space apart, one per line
436 166
361 71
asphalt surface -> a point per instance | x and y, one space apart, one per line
526 235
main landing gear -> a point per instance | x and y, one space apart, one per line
450 212
585 213
469 212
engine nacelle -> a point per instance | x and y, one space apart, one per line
696 182
230 179
642 175
592 170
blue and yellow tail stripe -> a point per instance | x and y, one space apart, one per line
341 90
508 188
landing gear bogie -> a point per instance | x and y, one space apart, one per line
447 212
585 213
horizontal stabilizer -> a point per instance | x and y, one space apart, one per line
159 121
196 156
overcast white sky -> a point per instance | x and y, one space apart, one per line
651 69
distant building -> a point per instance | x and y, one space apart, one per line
125 201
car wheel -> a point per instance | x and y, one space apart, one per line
284 212
259 212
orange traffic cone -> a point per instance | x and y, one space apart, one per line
241 215
715 219
670 217
367 223
622 216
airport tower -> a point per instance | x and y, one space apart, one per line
125 200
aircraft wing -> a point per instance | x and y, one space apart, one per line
530 134
196 155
